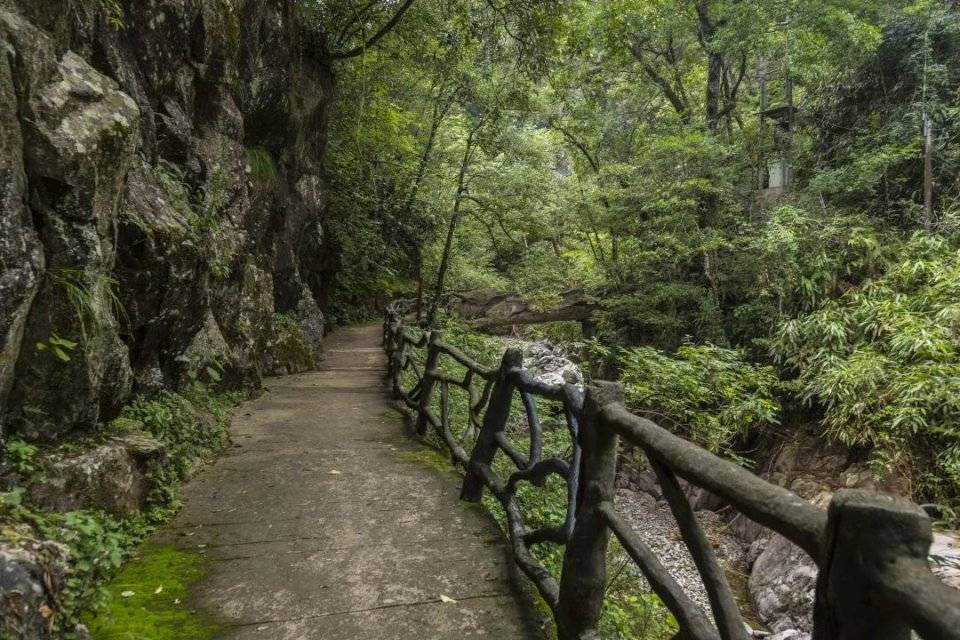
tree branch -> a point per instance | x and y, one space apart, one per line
579 145
677 100
375 38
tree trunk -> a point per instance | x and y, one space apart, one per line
714 81
452 228
418 266
440 110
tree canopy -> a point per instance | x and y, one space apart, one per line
778 179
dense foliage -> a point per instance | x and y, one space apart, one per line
763 197
883 361
708 393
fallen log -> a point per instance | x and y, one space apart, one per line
487 310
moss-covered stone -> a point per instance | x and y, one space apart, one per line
150 598
290 350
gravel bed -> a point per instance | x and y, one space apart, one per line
654 524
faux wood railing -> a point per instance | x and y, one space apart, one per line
871 548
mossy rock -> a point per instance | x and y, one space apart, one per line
290 350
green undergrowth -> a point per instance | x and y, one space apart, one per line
149 598
630 611
91 546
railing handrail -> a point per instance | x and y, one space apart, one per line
867 544
768 504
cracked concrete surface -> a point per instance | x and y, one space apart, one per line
315 529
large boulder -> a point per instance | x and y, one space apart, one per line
289 349
115 477
549 364
782 586
945 557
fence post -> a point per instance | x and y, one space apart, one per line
494 422
389 343
395 364
584 577
867 534
426 385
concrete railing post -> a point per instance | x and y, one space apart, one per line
494 422
395 356
869 535
584 578
426 385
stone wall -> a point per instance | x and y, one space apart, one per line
161 202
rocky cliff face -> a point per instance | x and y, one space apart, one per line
161 202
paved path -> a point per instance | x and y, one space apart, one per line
318 526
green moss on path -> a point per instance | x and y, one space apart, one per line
149 599
427 459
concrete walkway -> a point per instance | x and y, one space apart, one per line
318 525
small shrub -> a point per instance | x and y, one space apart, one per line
59 348
192 425
263 170
114 13
23 456
96 543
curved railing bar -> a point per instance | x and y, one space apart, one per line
516 456
457 452
477 402
929 605
442 376
536 432
690 617
573 480
556 534
546 584
538 473
525 382
467 361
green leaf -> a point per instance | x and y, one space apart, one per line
13 497
62 342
